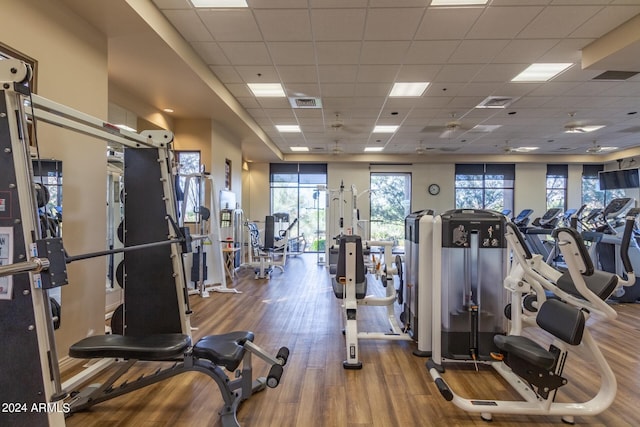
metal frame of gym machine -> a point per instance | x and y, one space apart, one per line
27 310
216 261
529 275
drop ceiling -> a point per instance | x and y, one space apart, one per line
345 56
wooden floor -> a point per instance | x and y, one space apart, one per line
297 309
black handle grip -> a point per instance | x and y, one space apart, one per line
283 354
444 389
275 373
624 245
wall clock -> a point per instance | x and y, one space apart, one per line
434 189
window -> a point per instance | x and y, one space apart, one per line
485 186
592 196
557 186
189 163
390 205
294 191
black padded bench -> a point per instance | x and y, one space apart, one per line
209 355
341 270
530 360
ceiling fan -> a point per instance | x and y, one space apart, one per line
594 149
338 125
336 149
579 127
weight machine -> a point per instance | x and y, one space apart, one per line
532 370
208 261
155 325
350 285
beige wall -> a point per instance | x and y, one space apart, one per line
72 70
530 188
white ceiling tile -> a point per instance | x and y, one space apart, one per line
189 25
373 89
211 53
377 73
258 74
337 73
417 73
557 21
477 51
231 24
482 89
458 73
246 53
337 89
298 73
277 4
251 103
553 88
383 52
267 103
309 116
433 101
430 52
465 102
239 90
370 101
172 4
333 53
302 89
397 3
284 24
226 74
518 89
447 23
320 4
498 72
338 24
605 20
567 50
503 22
392 23
336 103
257 111
590 88
524 51
292 53
282 113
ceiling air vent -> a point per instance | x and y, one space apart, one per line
496 102
615 75
305 102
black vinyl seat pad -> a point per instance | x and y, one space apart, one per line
601 283
225 350
149 347
525 349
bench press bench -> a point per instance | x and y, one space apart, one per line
209 355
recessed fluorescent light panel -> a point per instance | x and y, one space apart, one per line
458 2
219 3
299 149
408 89
525 149
541 72
373 149
385 129
288 128
267 90
608 148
